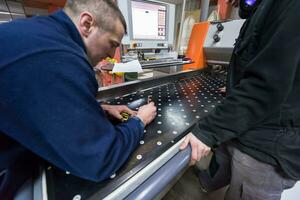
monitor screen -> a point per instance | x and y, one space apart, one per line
149 20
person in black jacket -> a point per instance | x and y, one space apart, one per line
255 132
48 106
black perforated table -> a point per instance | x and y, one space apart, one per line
181 101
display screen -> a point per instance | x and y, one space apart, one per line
148 20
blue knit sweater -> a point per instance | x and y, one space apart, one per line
48 106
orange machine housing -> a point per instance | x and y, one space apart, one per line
195 48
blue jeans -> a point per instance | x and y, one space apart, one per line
248 178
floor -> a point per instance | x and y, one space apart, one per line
188 188
292 194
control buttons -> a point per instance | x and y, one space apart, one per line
216 38
220 27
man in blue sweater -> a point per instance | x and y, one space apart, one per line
48 108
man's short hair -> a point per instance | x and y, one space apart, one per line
105 12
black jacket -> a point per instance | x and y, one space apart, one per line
261 113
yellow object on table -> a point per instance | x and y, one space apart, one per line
105 77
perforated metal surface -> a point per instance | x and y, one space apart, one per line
180 105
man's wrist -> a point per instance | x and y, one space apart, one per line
139 120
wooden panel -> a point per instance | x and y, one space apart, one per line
35 4
224 9
45 4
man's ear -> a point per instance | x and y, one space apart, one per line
86 23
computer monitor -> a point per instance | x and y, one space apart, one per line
150 23
148 20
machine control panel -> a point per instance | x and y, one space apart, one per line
220 41
223 34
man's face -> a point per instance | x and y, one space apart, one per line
101 44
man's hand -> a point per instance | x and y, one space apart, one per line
222 89
234 3
115 110
147 113
199 149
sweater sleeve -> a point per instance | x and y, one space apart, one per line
51 109
265 84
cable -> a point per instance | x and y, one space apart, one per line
8 10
